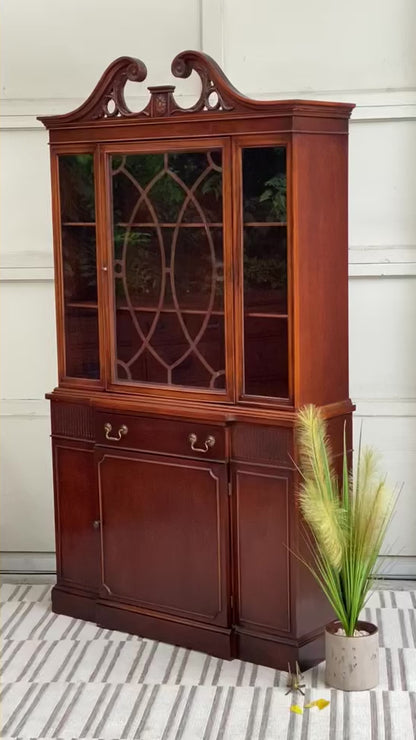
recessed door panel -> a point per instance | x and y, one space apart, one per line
76 515
261 512
165 535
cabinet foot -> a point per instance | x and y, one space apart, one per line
80 606
269 652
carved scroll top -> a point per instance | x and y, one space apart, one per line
107 101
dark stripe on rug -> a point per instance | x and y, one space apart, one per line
185 713
57 708
373 716
30 708
15 714
252 715
147 710
107 711
136 662
69 709
225 713
95 710
265 714
212 714
387 716
173 712
134 711
305 716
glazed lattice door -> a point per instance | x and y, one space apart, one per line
169 303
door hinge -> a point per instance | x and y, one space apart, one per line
231 601
229 488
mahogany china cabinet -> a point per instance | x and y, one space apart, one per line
201 299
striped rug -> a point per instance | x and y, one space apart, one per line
64 678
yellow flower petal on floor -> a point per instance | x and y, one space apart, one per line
320 703
296 709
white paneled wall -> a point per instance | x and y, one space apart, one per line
53 53
321 45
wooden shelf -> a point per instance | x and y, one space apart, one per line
260 315
194 311
81 304
265 223
78 223
150 309
191 225
182 225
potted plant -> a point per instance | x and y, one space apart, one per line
346 522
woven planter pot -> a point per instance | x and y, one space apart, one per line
351 662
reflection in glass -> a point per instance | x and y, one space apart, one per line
79 264
265 272
264 184
76 187
168 268
81 343
266 357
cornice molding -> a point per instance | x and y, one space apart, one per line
218 95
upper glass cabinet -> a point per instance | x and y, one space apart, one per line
168 304
168 267
265 306
79 265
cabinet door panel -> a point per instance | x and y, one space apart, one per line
78 544
261 554
165 534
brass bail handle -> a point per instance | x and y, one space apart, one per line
209 442
121 432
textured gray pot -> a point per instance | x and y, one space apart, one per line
351 662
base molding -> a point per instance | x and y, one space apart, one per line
80 606
268 650
215 641
28 563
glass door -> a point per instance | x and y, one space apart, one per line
77 263
171 314
263 306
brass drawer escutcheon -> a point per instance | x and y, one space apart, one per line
121 432
209 442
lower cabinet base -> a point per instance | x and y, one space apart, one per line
276 653
73 604
217 641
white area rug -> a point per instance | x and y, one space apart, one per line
64 678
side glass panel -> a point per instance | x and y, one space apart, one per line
76 186
265 272
168 268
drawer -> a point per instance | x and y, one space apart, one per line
168 436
